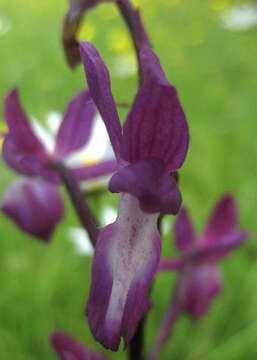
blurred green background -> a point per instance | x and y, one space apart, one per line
214 69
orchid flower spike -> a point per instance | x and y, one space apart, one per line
23 152
152 144
199 277
68 348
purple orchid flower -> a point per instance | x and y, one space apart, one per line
199 277
24 153
35 205
152 144
68 348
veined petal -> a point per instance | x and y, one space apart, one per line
222 221
198 285
126 258
149 181
99 86
22 150
35 205
90 172
184 231
75 129
156 126
68 348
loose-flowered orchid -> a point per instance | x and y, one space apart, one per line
152 144
68 348
25 153
199 278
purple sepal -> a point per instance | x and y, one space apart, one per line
184 231
90 172
216 250
76 126
100 89
200 286
156 126
35 205
22 150
126 258
149 181
223 220
24 161
67 348
170 264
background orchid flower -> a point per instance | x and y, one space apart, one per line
199 277
68 348
152 143
35 205
24 152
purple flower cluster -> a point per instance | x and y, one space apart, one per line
34 201
149 148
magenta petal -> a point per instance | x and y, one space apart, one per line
222 221
214 251
76 126
170 264
24 161
22 150
184 231
68 348
35 205
100 89
149 181
90 172
201 285
126 258
156 126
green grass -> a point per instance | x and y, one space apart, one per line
45 287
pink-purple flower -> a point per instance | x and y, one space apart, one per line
23 152
200 280
67 348
150 146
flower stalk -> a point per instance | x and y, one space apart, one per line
85 214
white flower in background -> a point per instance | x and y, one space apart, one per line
240 17
79 237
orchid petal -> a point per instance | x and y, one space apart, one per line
76 126
184 231
214 251
24 161
170 264
35 205
126 258
200 286
149 181
222 221
156 126
90 172
68 348
99 86
22 150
